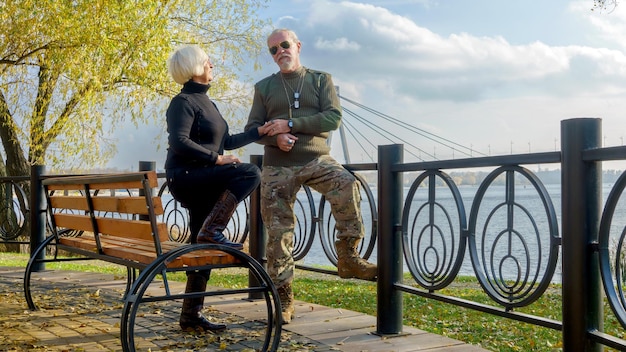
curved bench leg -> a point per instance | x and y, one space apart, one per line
29 269
136 296
131 276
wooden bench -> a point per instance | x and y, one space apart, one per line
116 218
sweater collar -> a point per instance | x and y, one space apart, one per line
297 73
195 87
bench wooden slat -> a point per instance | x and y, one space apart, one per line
109 181
126 205
141 252
169 245
140 229
139 243
191 259
115 249
208 257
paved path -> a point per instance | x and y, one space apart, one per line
85 308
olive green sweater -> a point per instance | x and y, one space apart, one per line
319 113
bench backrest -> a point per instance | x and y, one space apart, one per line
113 205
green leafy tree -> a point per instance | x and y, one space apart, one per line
72 69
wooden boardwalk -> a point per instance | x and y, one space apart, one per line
319 328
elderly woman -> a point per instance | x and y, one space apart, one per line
204 180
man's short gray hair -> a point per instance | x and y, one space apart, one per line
292 35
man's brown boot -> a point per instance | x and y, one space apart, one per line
286 303
350 264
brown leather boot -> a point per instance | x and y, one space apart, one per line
191 315
350 264
214 224
286 303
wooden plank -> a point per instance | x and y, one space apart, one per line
126 205
195 258
116 227
143 251
131 180
208 257
88 244
132 254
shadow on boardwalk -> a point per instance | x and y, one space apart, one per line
83 311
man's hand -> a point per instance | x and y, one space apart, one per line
277 127
286 141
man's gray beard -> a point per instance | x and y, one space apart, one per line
287 64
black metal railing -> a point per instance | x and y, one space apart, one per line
507 229
14 210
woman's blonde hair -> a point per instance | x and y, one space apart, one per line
187 62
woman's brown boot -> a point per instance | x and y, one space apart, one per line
191 315
214 225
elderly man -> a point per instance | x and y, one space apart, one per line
302 107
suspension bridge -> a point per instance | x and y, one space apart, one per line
364 128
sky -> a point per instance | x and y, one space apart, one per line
460 78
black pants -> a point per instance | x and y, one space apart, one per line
198 189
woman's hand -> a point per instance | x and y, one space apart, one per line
227 159
263 130
278 126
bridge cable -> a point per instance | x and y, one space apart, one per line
431 136
378 129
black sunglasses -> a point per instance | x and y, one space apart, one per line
284 45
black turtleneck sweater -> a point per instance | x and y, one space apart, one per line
197 131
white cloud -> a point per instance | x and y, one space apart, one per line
337 44
464 85
498 81
611 25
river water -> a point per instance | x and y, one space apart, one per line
524 195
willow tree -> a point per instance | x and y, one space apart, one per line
71 70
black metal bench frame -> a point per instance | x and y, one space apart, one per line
94 226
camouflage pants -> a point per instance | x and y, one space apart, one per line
279 187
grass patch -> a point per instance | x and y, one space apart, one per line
488 331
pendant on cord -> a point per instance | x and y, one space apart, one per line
296 102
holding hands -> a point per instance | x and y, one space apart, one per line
274 127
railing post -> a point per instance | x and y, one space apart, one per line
581 200
390 257
258 237
146 166
37 214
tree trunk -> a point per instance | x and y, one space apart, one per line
16 165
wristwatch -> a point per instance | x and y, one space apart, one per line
290 124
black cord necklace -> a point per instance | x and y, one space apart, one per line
296 93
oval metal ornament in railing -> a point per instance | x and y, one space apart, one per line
14 208
177 219
509 240
613 254
304 226
432 222
328 233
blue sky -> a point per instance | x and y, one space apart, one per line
494 76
